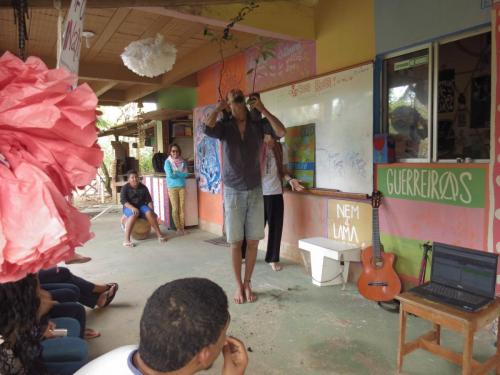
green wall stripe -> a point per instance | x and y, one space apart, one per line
409 254
454 186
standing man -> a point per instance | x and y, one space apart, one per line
137 202
241 138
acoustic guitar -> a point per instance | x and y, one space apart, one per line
378 282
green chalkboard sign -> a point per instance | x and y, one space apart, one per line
455 186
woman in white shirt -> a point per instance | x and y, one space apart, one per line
274 161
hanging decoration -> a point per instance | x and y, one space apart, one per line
48 146
226 36
20 15
149 57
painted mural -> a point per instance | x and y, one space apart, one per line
301 143
207 154
293 61
423 202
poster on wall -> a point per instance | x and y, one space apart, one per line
69 58
349 222
207 154
301 144
452 185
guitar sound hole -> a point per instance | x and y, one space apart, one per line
378 263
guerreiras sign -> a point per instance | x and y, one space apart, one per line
463 186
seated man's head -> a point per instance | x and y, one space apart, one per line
236 102
184 325
133 178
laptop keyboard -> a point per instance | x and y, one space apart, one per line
451 293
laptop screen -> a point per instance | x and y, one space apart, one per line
470 270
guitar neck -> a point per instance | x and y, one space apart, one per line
376 233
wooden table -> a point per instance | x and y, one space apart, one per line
467 323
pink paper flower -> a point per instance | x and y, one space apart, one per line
48 145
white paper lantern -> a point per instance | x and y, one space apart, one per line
149 57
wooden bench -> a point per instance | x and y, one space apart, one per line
466 323
330 259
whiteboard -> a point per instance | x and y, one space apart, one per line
341 106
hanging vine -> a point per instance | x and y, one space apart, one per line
227 35
265 50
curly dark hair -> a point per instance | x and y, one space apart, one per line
179 319
20 351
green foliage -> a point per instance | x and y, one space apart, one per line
146 160
265 50
103 124
226 35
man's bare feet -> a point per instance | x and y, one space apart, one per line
276 266
77 258
239 296
249 294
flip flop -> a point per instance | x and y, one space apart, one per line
162 239
111 292
90 334
129 244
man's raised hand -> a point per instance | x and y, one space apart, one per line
235 357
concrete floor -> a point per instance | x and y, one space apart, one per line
293 328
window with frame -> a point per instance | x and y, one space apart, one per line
440 92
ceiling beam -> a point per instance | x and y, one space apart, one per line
128 3
111 103
193 62
111 72
113 96
101 87
113 24
107 72
213 18
189 81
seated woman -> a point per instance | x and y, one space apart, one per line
66 287
63 354
72 310
23 330
137 202
20 349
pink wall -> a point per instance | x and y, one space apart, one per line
305 216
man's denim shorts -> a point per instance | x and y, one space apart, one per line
244 214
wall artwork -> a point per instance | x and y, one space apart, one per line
301 143
207 154
293 61
349 222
